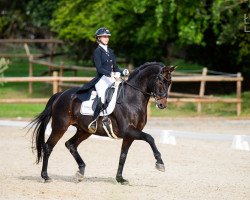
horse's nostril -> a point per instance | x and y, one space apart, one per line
161 105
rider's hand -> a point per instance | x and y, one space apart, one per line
125 72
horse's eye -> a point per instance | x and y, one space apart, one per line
161 84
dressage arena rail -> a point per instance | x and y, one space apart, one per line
51 67
55 80
51 43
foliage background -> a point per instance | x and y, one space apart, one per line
190 33
208 32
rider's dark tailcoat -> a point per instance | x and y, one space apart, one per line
105 63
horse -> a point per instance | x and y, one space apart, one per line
128 118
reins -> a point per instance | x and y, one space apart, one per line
136 88
152 94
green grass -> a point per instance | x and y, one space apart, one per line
20 110
208 109
14 91
174 111
246 104
180 110
190 110
20 67
183 65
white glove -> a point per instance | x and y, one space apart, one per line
115 74
125 72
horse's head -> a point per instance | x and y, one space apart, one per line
161 85
152 79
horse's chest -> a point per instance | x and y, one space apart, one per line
141 124
138 120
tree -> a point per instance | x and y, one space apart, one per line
228 26
141 28
27 18
210 31
40 14
12 18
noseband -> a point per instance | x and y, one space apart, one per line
163 94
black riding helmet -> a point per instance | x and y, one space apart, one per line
102 32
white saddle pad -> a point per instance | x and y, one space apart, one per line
86 107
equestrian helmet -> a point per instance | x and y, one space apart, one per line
102 32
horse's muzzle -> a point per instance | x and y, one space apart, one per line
161 103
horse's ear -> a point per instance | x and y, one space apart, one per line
165 70
173 68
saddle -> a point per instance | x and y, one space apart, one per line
91 101
94 102
108 97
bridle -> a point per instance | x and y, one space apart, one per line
163 94
153 94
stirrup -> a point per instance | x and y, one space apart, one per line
92 127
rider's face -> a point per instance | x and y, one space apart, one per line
104 39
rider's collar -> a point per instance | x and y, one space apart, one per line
105 47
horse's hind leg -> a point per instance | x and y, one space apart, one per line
47 149
72 145
126 143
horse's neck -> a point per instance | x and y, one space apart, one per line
138 96
143 79
141 94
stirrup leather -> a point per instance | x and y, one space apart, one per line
93 126
107 126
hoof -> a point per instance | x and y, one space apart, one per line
122 181
160 167
47 180
79 176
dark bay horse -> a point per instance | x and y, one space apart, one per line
128 118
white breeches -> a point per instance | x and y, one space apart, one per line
103 84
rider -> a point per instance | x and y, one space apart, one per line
107 71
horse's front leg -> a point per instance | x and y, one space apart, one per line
159 163
126 143
140 135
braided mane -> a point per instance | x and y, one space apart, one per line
142 67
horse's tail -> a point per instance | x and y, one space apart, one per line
40 123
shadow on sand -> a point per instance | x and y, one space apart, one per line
71 179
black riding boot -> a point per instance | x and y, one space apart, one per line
93 125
